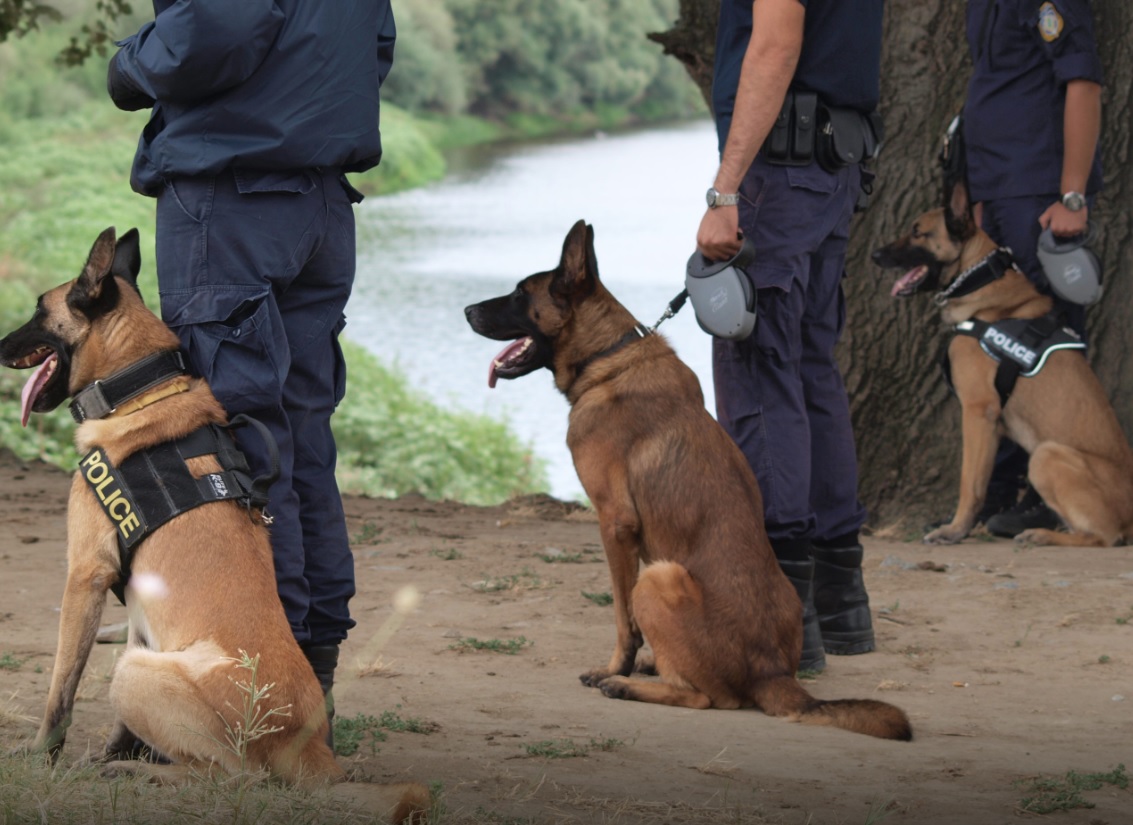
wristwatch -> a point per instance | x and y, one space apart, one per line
1074 201
715 198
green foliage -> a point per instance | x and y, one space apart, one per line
350 733
509 647
10 662
566 749
1054 794
600 599
392 440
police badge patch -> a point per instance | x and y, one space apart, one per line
1050 22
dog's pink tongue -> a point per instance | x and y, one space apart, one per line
34 386
912 276
501 359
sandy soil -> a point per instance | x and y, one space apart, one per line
1012 663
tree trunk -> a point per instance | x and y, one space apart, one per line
905 419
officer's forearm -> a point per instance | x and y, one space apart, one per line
1081 125
769 64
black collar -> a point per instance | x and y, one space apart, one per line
991 268
103 397
638 332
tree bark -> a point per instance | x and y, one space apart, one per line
905 419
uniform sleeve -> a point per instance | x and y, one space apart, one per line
198 48
1065 28
386 36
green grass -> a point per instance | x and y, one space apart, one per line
566 749
10 662
509 647
600 599
1053 794
351 733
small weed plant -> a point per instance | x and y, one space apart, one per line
600 599
350 733
509 647
10 662
566 749
1050 795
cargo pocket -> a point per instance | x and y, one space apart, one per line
234 337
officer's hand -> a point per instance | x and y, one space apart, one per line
1062 222
719 236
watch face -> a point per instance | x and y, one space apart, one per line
1073 201
711 196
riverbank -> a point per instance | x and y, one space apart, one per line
64 172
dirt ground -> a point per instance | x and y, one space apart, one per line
1013 664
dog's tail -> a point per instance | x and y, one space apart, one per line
784 696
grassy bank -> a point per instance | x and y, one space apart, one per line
65 155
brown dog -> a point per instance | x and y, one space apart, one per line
1081 463
202 593
674 492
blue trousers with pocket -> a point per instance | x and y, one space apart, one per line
779 393
254 270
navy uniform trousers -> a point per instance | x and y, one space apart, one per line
254 270
779 393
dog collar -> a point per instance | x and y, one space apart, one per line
638 332
104 396
991 268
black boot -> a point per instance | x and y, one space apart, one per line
840 598
324 660
1029 514
794 556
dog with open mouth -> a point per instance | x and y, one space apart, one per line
673 493
184 548
1016 371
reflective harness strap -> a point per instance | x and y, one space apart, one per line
154 485
1021 346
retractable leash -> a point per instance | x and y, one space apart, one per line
722 295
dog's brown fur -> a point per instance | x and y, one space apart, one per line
173 688
1081 463
674 492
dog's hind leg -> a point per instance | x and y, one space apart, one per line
158 697
1085 491
668 605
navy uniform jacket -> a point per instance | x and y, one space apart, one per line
260 84
840 60
1024 53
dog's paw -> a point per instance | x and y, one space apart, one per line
615 687
945 535
592 678
1037 537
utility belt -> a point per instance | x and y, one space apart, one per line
808 129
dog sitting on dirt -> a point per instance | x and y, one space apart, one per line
1057 410
672 492
202 593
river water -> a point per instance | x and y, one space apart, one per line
501 214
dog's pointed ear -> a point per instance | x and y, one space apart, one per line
127 258
959 219
95 290
577 274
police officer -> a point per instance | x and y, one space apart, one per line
259 108
1031 123
779 393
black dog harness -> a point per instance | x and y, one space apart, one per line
153 485
1021 346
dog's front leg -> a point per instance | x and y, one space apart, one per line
621 536
84 598
981 438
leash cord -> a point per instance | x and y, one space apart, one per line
672 309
